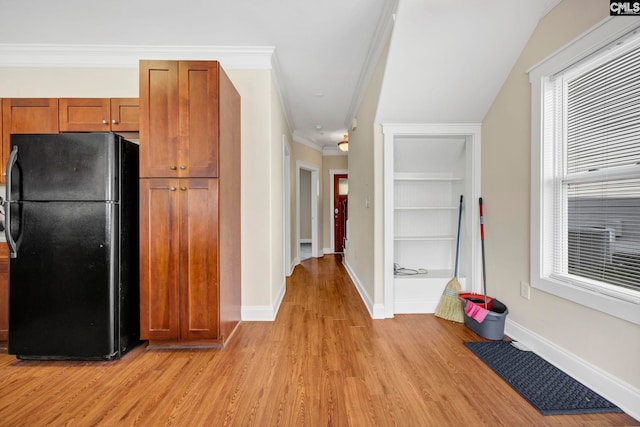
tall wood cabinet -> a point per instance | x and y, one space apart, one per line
190 203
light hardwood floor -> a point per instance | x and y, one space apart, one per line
323 362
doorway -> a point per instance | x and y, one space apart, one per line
340 209
307 191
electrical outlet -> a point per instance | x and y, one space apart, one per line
525 290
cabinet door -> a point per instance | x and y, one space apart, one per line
26 115
199 119
125 114
199 259
4 292
85 115
159 119
159 259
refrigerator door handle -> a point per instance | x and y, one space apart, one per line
13 248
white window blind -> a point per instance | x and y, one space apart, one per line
596 109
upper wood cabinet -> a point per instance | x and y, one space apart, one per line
125 114
26 115
182 112
99 114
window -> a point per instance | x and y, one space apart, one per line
586 171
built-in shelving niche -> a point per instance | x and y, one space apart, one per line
427 168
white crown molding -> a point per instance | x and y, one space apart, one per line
275 65
550 4
304 141
378 42
333 151
127 56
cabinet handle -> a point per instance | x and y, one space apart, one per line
114 121
183 167
173 168
104 122
183 188
172 188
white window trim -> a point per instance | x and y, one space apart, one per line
591 41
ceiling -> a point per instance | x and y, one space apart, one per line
446 61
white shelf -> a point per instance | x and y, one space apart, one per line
414 176
430 274
425 238
425 208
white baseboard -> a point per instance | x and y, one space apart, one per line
327 251
421 306
616 390
375 311
264 313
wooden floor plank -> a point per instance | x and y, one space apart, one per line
322 362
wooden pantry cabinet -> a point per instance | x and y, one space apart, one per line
189 204
99 114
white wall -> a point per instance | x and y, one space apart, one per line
364 258
610 345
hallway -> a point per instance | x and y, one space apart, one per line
323 362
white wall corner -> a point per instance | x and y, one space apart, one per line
264 313
376 312
614 389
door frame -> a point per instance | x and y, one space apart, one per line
315 201
332 173
286 205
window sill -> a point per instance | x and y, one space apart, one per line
612 306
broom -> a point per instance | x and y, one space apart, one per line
450 305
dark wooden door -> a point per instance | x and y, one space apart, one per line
198 259
159 258
340 211
159 128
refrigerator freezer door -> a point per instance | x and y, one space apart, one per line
62 294
66 166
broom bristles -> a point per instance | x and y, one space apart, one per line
450 305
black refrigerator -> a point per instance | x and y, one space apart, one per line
71 223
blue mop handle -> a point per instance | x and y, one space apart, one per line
455 274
